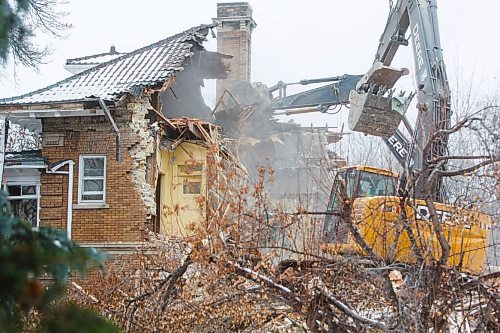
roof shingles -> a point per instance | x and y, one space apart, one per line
147 67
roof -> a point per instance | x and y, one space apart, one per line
27 157
149 66
366 168
78 65
96 59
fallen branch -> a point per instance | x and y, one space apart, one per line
91 297
351 313
259 278
289 295
174 276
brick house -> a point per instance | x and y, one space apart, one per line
97 172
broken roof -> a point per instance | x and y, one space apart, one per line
147 67
176 131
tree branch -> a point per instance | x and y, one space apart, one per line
174 276
458 157
462 172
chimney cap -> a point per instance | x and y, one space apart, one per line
232 9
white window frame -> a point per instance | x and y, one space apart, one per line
81 179
35 196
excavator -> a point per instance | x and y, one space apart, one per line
376 212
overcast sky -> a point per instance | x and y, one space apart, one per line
293 40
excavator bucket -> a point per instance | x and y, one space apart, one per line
373 108
382 76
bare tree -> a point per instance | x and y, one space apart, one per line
229 274
21 21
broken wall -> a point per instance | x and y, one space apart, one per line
183 181
183 98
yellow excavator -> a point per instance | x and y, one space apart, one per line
395 222
365 200
372 211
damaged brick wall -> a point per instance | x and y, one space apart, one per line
129 197
141 150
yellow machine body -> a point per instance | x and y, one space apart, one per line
380 222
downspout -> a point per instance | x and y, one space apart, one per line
69 222
115 129
55 170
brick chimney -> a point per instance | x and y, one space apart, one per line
234 37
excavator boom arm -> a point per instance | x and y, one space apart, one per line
334 94
374 108
433 93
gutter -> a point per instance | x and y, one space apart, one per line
115 129
55 170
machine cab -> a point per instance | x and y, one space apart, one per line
351 183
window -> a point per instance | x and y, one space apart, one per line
372 184
24 199
92 182
343 179
191 178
